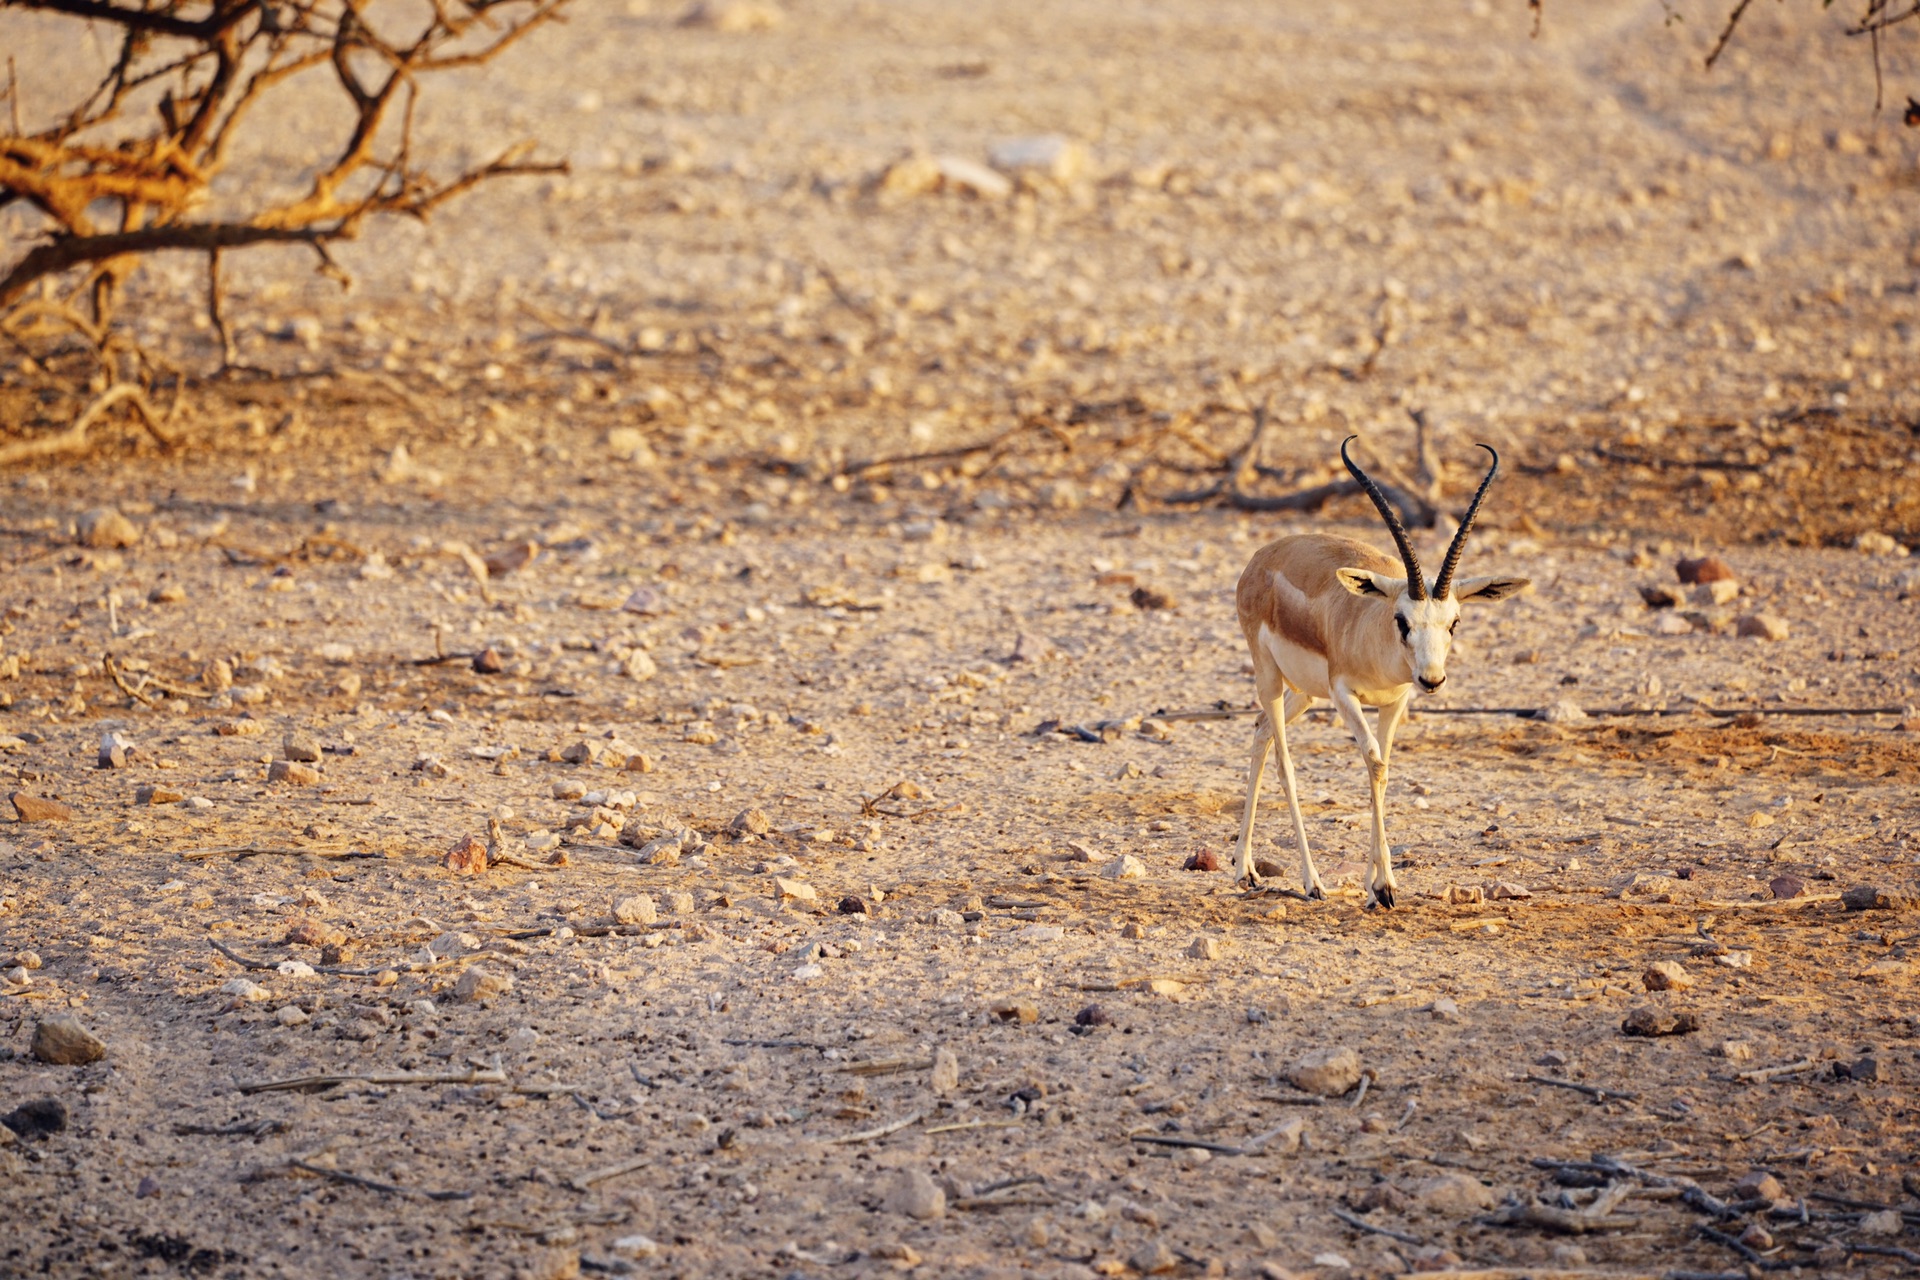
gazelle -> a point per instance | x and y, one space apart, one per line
1328 617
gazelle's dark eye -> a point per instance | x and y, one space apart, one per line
1402 624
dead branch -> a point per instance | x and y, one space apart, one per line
154 169
74 438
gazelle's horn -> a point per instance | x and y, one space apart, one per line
1444 583
1416 585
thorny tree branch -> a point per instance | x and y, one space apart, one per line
200 72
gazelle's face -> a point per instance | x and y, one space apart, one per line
1424 629
1426 634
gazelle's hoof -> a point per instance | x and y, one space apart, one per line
1383 896
1316 893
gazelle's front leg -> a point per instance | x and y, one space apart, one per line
1379 867
1380 870
1283 713
1243 871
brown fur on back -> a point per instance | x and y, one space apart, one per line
1307 561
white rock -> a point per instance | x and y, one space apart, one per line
638 909
246 990
1878 544
1454 1193
636 1246
1328 1072
1332 1262
1124 867
1047 155
946 1072
973 178
1561 711
1041 933
915 1194
808 972
291 1015
294 969
798 890
335 653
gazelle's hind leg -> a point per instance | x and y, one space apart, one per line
1282 715
1243 872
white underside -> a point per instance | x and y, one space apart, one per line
1301 668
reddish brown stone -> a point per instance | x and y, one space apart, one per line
1704 569
468 858
38 809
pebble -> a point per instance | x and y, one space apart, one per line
1704 569
301 746
246 990
1717 592
1883 1222
1736 1050
1328 1072
649 602
1445 1010
638 909
294 773
945 1077
1382 1195
65 1043
1205 860
1561 711
751 822
1867 897
1454 1193
636 1246
915 1194
157 795
115 750
1666 975
291 1015
1332 1261
105 527
1049 156
638 664
1034 933
1672 624
960 174
1014 1010
1872 543
32 808
1153 1258
481 983
1764 626
1662 596
1124 867
1786 886
1203 948
1505 889
1646 1021
679 902
1759 1185
798 890
467 858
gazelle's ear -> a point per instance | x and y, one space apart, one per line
1490 589
1365 582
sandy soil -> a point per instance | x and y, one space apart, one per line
814 491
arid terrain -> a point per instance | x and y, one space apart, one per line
663 732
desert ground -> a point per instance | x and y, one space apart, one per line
664 732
